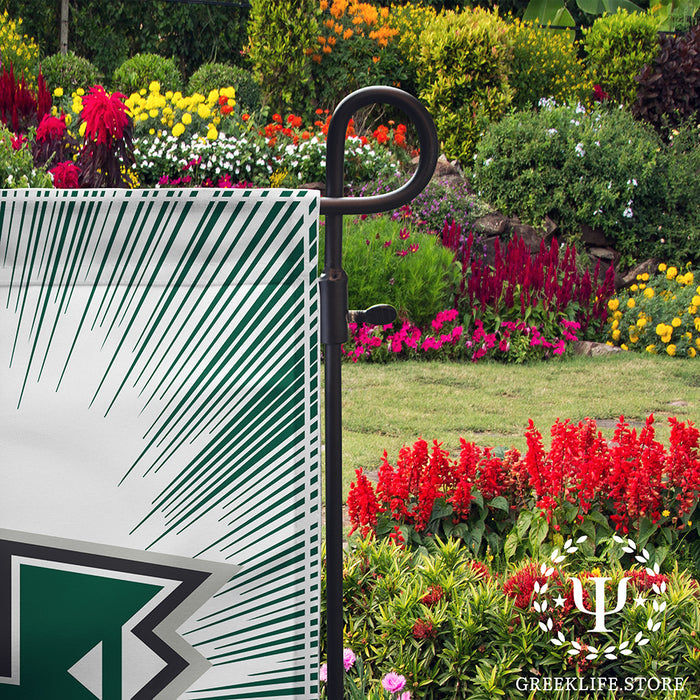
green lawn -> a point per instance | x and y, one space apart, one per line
387 406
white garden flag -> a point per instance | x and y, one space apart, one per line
159 444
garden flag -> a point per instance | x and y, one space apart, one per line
159 444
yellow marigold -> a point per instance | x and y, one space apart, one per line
634 288
624 347
178 129
641 322
649 292
695 301
634 338
186 118
212 133
676 322
662 267
154 86
691 352
692 309
203 111
58 92
616 335
671 273
630 303
613 304
651 349
696 323
642 285
645 277
615 324
671 350
617 315
661 329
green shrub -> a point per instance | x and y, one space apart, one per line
387 263
463 71
281 39
669 87
18 49
546 64
599 169
17 167
658 314
214 76
69 72
138 72
617 48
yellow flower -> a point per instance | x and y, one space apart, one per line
651 349
80 92
613 304
58 92
186 118
624 347
671 350
642 285
154 86
212 134
671 273
203 111
695 301
178 129
649 292
617 315
691 352
616 335
665 513
615 324
630 303
676 322
692 309
641 322
82 128
645 277
662 267
661 329
634 287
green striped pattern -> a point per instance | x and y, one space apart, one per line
161 347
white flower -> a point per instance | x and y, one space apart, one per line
628 213
552 132
579 150
488 162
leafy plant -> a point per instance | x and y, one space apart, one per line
389 263
546 64
617 47
596 168
17 168
139 71
669 87
281 38
659 314
17 50
463 71
69 72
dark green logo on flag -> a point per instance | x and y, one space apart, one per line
81 621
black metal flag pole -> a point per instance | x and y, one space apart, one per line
333 286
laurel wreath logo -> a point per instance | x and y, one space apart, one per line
613 651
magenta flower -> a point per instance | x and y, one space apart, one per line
105 115
65 175
393 682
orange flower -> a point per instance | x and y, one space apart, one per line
323 5
321 40
327 49
316 58
332 40
338 8
245 117
348 33
226 109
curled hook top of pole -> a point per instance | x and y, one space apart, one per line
334 202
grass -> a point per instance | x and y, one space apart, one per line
387 406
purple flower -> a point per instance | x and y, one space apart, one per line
393 682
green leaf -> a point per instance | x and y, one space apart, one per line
612 6
646 529
538 533
441 509
523 524
591 7
546 11
500 503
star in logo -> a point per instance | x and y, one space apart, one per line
85 621
559 601
639 601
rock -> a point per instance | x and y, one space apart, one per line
444 168
602 253
588 348
533 237
593 236
492 225
648 266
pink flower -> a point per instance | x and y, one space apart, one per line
405 696
323 673
393 682
348 659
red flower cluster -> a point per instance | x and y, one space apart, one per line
521 585
20 107
630 478
424 629
65 175
517 280
51 128
105 115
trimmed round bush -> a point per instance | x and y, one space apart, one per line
214 76
139 71
69 72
